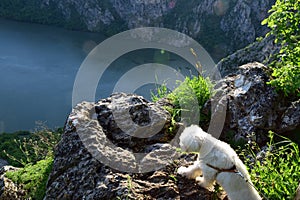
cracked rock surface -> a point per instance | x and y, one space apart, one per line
253 106
101 157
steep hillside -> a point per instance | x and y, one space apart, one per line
221 26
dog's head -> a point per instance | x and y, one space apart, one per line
192 138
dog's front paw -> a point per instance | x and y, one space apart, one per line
182 171
201 181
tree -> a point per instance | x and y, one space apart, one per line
284 22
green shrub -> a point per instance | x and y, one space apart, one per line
277 173
33 152
33 178
189 96
23 147
8 144
284 23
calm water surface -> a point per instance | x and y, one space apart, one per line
38 65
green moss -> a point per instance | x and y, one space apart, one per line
33 178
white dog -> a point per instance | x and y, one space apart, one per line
217 161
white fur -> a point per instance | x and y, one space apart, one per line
218 154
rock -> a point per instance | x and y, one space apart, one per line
258 51
251 102
3 162
108 151
253 106
9 190
290 119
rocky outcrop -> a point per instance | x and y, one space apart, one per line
9 189
119 148
254 106
259 51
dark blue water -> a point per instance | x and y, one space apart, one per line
38 66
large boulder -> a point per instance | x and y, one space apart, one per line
253 106
120 147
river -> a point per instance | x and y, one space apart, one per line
38 66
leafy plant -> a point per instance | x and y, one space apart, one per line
129 186
189 96
161 92
274 170
173 177
33 178
284 23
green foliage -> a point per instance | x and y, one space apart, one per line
173 177
33 151
277 172
284 23
196 89
33 178
188 97
161 92
22 148
7 143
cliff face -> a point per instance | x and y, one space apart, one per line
221 26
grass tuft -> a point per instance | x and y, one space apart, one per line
274 170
